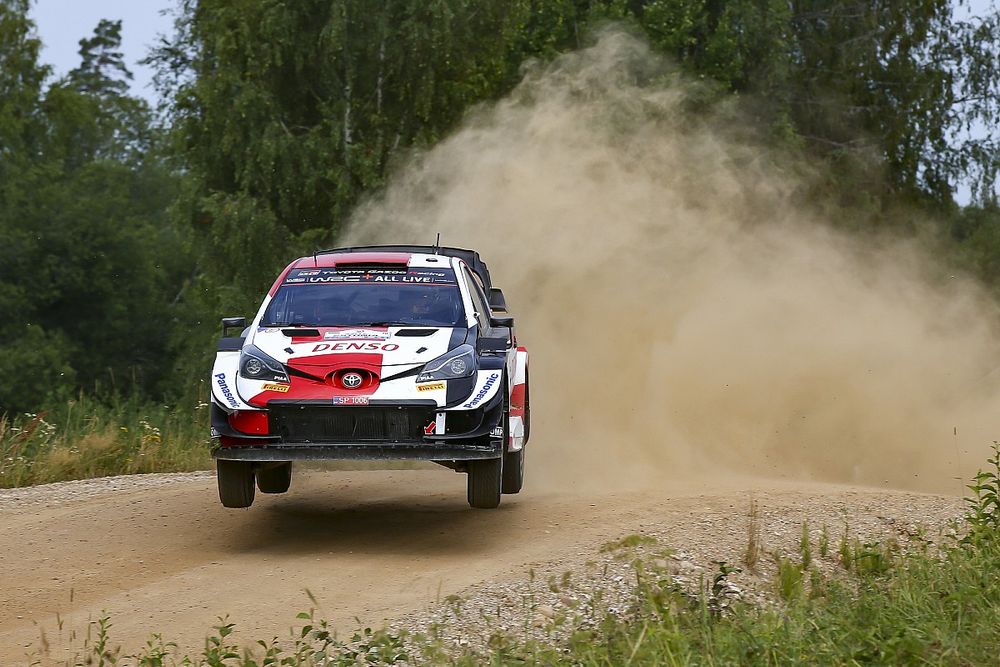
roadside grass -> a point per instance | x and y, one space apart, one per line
923 611
887 606
85 438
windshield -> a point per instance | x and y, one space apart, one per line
327 297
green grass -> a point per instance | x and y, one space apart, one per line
926 612
84 438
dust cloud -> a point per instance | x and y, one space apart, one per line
685 317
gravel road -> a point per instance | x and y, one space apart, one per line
159 554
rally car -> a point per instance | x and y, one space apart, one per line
378 352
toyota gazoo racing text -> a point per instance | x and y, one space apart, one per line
381 352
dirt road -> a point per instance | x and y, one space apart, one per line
369 545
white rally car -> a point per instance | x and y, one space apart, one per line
380 352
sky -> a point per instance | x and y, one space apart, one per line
63 23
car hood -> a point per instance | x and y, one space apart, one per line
320 348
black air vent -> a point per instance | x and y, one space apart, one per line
350 424
416 333
304 333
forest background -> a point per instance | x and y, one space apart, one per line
128 231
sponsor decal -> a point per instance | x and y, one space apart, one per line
402 279
281 388
332 279
356 334
370 274
355 347
431 386
418 276
367 279
490 381
497 432
220 379
350 400
269 329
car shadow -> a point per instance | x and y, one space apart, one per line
362 517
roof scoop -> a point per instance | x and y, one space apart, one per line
303 333
416 333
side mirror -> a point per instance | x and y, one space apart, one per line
497 302
502 322
232 323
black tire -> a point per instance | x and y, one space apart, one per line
275 479
484 483
236 487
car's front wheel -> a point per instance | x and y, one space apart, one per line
276 478
236 482
484 483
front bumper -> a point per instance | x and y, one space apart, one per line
315 430
490 449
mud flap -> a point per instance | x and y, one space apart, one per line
518 400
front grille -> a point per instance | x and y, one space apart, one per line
307 423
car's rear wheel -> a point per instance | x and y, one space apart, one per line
275 478
484 483
236 487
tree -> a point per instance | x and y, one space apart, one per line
33 362
872 86
89 262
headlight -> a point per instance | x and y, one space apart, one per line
255 365
457 363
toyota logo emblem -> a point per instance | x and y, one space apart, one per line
351 380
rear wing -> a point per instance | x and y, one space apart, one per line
470 257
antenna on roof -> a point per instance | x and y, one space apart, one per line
437 243
315 263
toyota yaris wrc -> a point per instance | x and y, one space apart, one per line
381 352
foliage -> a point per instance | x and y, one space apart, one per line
314 644
983 518
875 88
789 581
84 438
976 233
752 553
88 262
